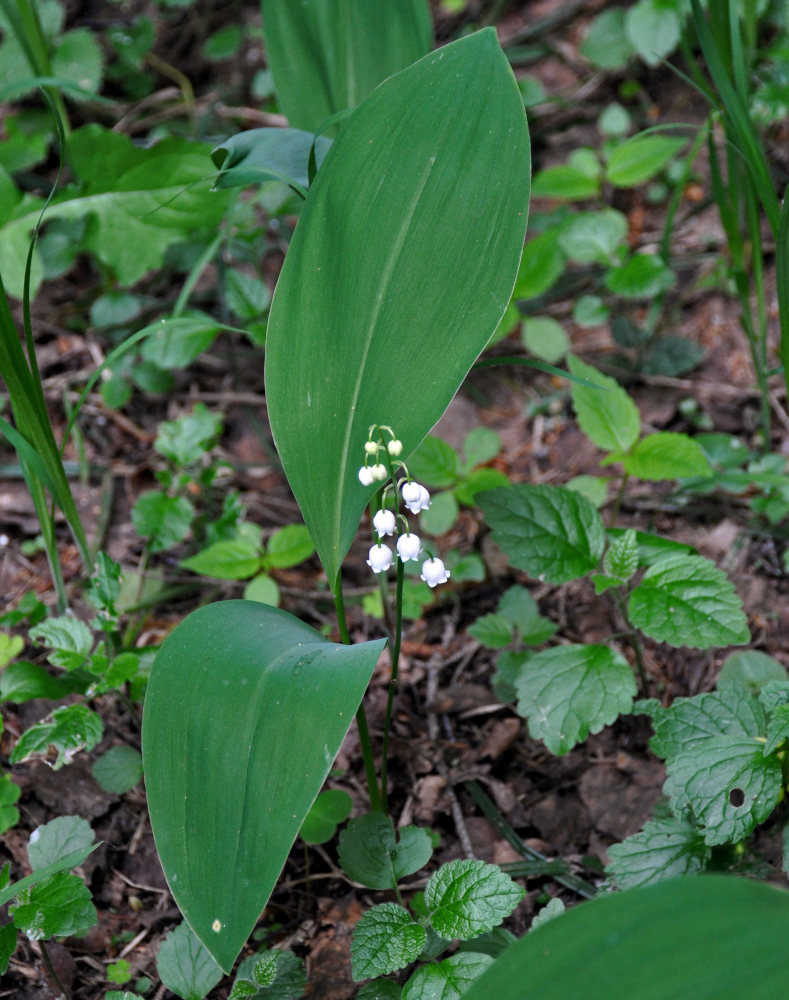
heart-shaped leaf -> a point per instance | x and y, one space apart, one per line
245 711
399 271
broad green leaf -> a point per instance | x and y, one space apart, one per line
621 559
24 681
594 488
477 482
728 783
78 57
541 266
606 44
385 939
165 520
567 692
518 607
653 28
653 547
289 546
263 588
688 601
9 796
468 898
650 943
640 158
175 342
69 639
565 182
777 729
435 463
380 989
592 237
590 310
555 908
74 728
233 559
8 892
671 356
447 980
329 809
185 966
57 839
642 276
289 980
228 690
59 906
10 647
479 446
459 182
328 56
118 770
493 631
185 441
7 945
545 338
664 849
551 532
606 414
247 296
666 455
369 853
264 154
749 667
441 514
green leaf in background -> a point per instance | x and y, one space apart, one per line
567 692
480 445
290 977
565 182
331 808
621 559
232 675
665 848
606 44
551 532
78 57
606 414
477 482
328 55
369 853
518 606
421 174
750 668
441 514
164 519
380 989
642 276
653 547
541 266
493 631
185 966
468 898
74 728
176 342
667 455
447 980
9 796
650 943
246 295
289 546
60 906
435 463
118 770
265 154
653 28
545 338
233 559
592 237
69 639
385 939
57 839
8 935
184 441
10 647
640 158
688 601
262 588
671 356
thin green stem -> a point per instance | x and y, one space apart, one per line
618 502
51 971
361 716
396 640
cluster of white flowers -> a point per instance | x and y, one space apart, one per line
415 497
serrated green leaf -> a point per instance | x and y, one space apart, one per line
74 728
185 966
728 783
369 853
555 908
568 692
592 237
621 559
23 681
59 906
688 601
666 455
165 520
664 849
233 559
640 158
185 441
265 971
289 546
331 808
550 532
777 729
289 980
385 939
653 547
493 631
118 770
467 898
447 980
380 989
55 840
606 414
69 638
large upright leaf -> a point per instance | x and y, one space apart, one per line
328 55
399 271
245 711
709 937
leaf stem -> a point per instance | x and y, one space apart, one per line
51 972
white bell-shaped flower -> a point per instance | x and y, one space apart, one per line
384 522
410 492
395 448
371 448
434 572
380 558
379 472
366 476
415 497
409 546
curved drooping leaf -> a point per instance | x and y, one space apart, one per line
399 271
660 942
245 711
266 154
328 55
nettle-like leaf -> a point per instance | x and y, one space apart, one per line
777 729
435 164
254 977
165 520
664 849
467 898
369 853
568 692
552 533
687 722
385 939
605 412
59 906
493 631
447 980
73 728
727 783
593 238
69 638
688 601
621 559
380 989
57 839
185 966
667 455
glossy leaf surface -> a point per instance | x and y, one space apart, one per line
399 271
245 711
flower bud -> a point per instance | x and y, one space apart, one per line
380 558
384 522
395 448
409 547
366 476
379 472
434 572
